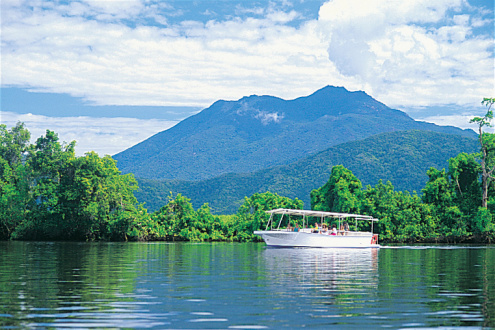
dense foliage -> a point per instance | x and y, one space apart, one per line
47 193
449 209
177 220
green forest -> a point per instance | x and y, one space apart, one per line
401 157
47 193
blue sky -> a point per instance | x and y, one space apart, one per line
109 74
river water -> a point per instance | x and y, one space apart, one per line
243 286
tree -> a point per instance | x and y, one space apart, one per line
14 192
174 218
454 195
95 201
487 144
438 190
47 165
14 198
72 198
342 192
380 202
481 222
402 216
464 173
14 143
252 213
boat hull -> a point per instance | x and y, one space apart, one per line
304 239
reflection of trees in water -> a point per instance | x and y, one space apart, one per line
46 277
488 280
337 275
436 286
457 283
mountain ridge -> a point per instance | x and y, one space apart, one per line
257 132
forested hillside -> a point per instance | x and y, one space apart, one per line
400 157
258 132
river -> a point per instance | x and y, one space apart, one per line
243 286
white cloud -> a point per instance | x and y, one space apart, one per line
114 8
461 121
264 117
405 61
404 53
102 135
188 64
268 117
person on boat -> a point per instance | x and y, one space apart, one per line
324 228
317 229
296 228
346 227
334 230
341 229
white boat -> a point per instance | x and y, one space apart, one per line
284 235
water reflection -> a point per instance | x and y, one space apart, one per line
243 286
338 269
331 285
441 285
63 285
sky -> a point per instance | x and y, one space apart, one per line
110 74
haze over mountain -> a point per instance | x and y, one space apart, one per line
258 132
401 157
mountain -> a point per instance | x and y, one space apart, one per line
401 157
258 132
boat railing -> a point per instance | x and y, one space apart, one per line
357 233
341 218
311 230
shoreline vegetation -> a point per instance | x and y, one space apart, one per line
47 193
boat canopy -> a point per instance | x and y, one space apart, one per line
321 214
317 214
